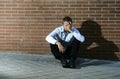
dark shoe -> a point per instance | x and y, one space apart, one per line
64 63
72 63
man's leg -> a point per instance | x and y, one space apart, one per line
72 52
55 51
74 49
58 55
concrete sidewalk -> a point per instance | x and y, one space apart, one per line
32 66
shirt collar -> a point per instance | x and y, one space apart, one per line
62 28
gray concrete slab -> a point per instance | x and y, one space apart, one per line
32 66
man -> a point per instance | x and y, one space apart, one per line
64 43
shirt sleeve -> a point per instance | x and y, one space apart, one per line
77 35
51 37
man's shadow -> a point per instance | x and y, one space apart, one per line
95 45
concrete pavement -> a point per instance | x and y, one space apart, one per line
32 66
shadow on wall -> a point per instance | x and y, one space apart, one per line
95 45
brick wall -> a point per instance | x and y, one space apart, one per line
24 25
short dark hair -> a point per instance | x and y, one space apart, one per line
67 18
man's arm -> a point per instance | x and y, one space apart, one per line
51 37
77 35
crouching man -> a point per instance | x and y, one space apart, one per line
64 42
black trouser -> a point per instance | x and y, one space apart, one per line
70 52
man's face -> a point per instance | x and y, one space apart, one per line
67 24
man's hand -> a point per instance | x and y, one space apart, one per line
68 26
61 48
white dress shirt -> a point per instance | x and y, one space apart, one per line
59 34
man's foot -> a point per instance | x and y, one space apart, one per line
64 63
72 63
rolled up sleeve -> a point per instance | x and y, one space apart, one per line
78 35
51 37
